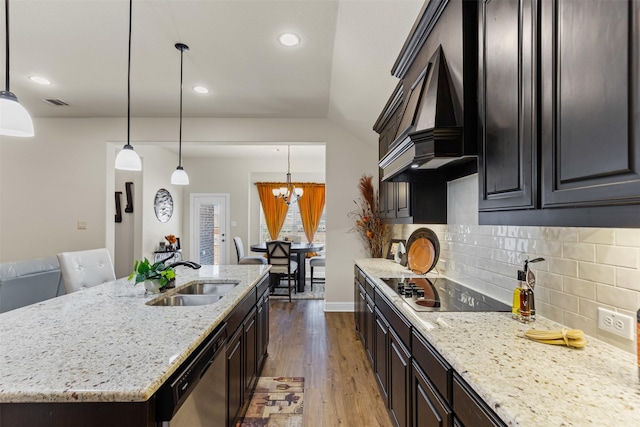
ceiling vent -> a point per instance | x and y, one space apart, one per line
55 101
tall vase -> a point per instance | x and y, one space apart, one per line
152 286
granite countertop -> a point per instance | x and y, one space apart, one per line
526 383
104 344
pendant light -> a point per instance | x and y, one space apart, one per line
14 118
179 176
127 159
288 194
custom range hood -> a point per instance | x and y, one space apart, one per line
430 133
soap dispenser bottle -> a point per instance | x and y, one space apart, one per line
527 298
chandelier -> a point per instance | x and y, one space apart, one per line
289 194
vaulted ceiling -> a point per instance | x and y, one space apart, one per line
340 70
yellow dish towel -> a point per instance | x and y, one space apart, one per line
573 338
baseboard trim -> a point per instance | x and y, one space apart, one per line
339 307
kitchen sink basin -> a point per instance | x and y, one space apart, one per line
181 300
209 288
201 293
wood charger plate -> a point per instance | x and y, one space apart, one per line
423 250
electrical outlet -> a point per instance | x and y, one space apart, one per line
616 323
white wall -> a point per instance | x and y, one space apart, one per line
64 174
584 268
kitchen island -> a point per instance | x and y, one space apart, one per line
106 344
523 382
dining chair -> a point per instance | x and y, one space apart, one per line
279 256
84 269
316 261
246 259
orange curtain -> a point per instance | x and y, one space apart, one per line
311 205
274 210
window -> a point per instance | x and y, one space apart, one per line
293 226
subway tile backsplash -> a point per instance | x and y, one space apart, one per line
584 268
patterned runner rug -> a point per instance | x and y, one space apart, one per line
317 293
276 402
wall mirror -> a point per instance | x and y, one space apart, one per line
163 205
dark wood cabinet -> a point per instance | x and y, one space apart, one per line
558 113
470 410
428 408
235 383
590 103
381 353
506 106
422 201
262 317
250 349
399 380
416 382
248 325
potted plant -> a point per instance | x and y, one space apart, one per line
156 276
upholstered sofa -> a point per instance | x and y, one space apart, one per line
28 282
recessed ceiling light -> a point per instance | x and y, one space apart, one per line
39 80
289 39
200 89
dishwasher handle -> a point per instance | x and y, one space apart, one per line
217 347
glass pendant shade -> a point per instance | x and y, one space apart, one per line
128 160
179 177
14 118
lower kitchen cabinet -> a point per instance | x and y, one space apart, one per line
235 386
399 380
470 410
419 386
262 318
248 326
380 353
250 339
393 359
427 408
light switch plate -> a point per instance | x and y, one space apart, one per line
81 225
616 323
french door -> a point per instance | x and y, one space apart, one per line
209 225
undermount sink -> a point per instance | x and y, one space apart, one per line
179 300
201 293
209 288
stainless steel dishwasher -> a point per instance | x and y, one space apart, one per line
196 395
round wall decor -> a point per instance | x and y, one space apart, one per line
163 205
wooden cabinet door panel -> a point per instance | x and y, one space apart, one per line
370 330
235 394
403 200
399 371
590 101
381 355
506 78
427 409
390 199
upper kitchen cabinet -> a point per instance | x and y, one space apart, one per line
428 127
559 113
506 77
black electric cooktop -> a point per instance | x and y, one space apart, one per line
440 294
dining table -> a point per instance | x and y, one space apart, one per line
301 250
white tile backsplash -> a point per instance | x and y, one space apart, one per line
585 268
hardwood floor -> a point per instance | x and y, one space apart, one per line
340 388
